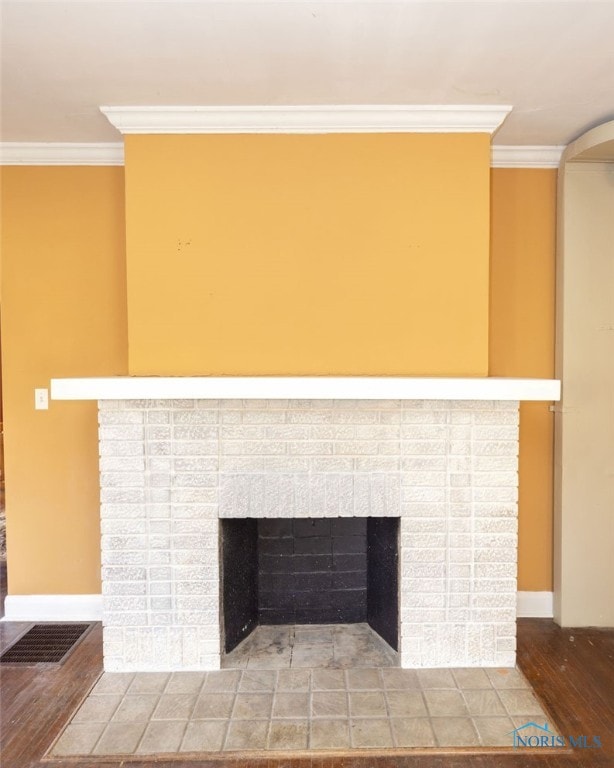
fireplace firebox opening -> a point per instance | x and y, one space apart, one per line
340 570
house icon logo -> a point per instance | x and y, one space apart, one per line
533 734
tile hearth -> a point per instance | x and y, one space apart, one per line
299 708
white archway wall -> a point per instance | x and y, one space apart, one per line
584 423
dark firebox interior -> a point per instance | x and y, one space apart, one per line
309 571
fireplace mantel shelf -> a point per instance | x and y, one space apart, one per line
304 388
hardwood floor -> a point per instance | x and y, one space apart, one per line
572 672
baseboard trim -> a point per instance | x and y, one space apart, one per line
535 605
53 608
89 607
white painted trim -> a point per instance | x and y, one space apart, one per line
304 387
436 118
525 157
61 153
89 607
53 608
535 605
112 153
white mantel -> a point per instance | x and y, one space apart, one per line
304 387
179 455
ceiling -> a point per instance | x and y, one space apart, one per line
552 61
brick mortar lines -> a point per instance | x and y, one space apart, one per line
430 415
472 523
449 470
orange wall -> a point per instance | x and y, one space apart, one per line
336 254
522 344
63 314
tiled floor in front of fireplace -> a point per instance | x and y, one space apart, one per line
300 707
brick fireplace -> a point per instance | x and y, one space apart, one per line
439 456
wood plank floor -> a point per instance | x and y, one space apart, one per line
572 672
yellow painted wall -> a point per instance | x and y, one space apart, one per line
63 314
522 344
336 254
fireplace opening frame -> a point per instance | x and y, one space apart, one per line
309 571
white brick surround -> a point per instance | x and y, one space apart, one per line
171 468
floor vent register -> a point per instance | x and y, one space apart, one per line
45 644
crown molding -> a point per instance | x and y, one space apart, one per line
530 156
308 119
61 153
112 153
